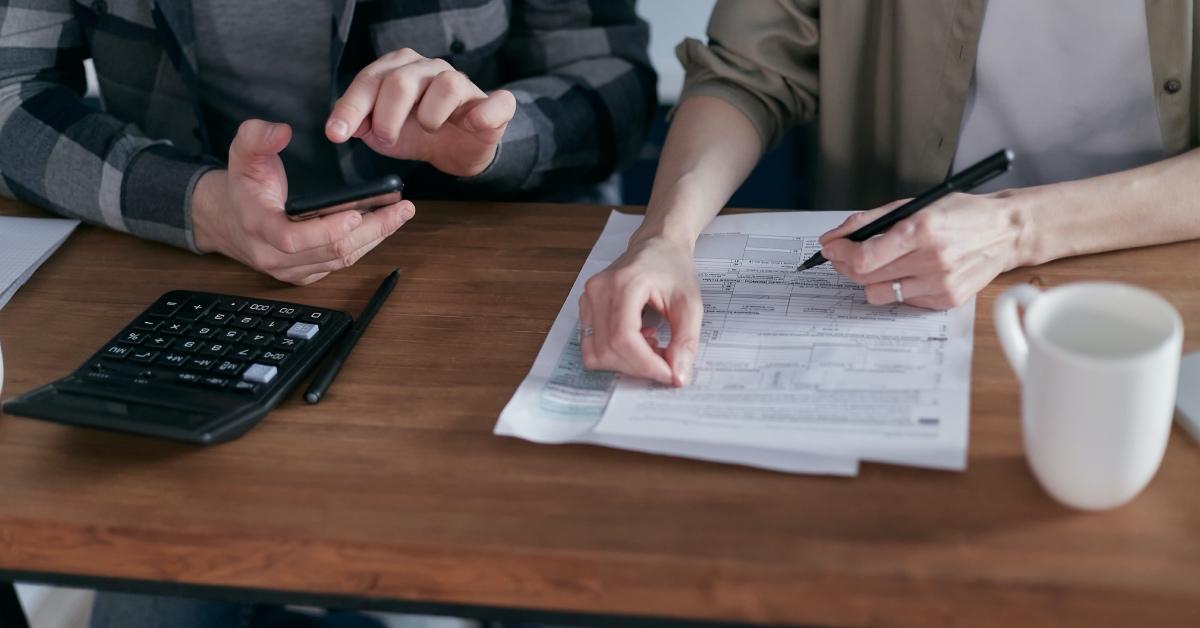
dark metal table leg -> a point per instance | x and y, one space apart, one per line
11 613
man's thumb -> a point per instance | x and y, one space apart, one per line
257 141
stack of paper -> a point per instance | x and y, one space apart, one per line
24 244
796 372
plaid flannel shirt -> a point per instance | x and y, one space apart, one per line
579 70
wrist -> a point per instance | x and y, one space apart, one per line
676 216
1015 207
655 230
208 197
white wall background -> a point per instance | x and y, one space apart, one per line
670 22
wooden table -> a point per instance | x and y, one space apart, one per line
394 494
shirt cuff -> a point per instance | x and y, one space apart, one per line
156 195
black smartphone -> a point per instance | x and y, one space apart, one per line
362 197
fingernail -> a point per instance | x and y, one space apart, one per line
684 366
339 128
270 131
353 221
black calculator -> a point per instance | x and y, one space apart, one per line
195 366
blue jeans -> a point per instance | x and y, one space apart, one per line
127 610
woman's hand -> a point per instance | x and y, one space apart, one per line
657 272
941 256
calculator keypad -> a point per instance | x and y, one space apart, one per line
208 341
196 367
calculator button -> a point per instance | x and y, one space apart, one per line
143 355
258 309
156 341
274 325
212 381
287 344
273 357
190 345
258 339
231 305
201 364
225 367
166 307
287 311
303 331
246 322
260 373
116 352
194 308
205 331
244 353
245 387
174 328
216 348
173 359
314 316
187 378
230 335
218 318
100 376
147 324
132 337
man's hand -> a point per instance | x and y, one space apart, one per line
408 107
656 272
941 255
239 213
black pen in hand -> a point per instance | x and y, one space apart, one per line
337 357
967 179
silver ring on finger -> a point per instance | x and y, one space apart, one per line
897 292
585 331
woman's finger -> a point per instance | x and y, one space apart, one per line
627 342
857 220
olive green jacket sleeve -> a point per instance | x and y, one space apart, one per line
762 58
886 83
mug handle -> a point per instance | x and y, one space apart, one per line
1008 325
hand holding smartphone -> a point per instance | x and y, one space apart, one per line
363 197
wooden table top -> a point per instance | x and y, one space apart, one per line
394 489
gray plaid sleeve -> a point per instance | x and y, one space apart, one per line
60 154
585 93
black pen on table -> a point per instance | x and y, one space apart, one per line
333 364
966 179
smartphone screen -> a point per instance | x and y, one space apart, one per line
362 197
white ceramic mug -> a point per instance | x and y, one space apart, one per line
1098 364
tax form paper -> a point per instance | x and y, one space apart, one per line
796 372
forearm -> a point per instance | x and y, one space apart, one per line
711 148
1153 204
